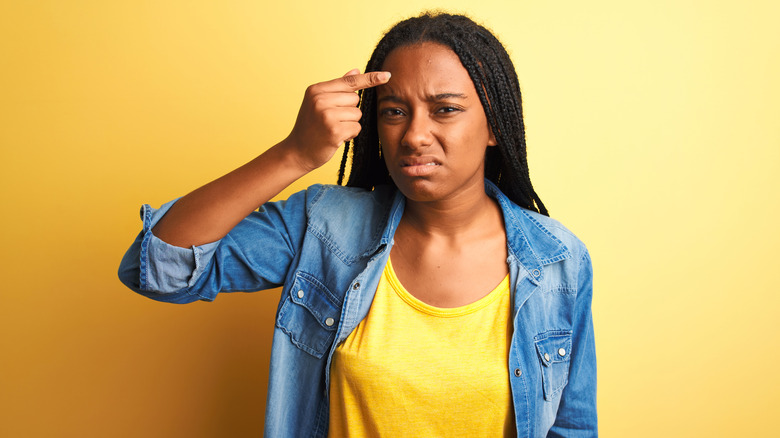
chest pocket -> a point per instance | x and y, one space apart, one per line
309 315
554 351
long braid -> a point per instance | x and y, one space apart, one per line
490 68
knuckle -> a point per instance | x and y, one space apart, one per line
328 117
313 90
354 130
351 80
318 102
355 114
373 79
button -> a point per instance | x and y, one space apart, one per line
356 286
518 373
300 294
536 273
546 357
561 352
329 322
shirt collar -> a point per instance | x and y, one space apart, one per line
528 241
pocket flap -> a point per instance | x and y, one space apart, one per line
554 350
309 315
315 297
553 347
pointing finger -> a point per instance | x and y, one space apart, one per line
367 80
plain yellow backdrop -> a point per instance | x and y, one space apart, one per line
653 134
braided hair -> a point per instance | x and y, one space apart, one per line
498 88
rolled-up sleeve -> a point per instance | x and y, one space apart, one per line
255 255
152 265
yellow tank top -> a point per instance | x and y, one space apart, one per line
411 369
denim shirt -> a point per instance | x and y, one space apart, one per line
328 245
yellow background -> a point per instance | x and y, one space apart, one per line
653 134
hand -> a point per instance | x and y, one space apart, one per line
329 116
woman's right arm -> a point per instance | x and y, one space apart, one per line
327 118
182 254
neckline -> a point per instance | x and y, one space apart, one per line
443 312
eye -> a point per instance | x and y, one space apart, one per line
448 110
391 113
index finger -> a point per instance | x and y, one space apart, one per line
359 81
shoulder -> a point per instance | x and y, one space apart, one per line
557 230
323 197
348 220
546 238
333 202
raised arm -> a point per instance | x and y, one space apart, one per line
327 118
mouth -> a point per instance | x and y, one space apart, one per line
419 166
426 164
413 162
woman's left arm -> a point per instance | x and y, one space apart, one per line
577 412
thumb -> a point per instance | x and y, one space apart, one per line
354 71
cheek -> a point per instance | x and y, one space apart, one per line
388 137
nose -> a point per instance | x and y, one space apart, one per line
418 132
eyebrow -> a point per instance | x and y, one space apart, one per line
435 98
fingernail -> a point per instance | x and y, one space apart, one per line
384 76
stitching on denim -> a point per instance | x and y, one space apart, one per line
331 246
321 424
527 407
563 289
550 333
144 264
585 255
315 198
541 227
376 235
509 212
563 255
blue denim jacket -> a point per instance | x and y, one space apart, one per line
328 245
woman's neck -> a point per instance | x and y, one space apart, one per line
450 218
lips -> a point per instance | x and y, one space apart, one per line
419 166
419 161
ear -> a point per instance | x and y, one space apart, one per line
491 138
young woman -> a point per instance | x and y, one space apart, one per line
431 296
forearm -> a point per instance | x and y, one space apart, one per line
328 117
210 212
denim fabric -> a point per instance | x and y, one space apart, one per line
328 245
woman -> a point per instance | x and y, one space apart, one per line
431 296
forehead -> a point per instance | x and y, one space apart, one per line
428 68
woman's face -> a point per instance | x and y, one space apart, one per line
432 126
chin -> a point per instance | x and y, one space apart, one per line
420 190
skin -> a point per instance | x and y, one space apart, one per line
450 246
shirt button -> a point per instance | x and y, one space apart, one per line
329 322
518 373
546 357
300 294
356 286
536 273
562 352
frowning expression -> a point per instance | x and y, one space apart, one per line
431 124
